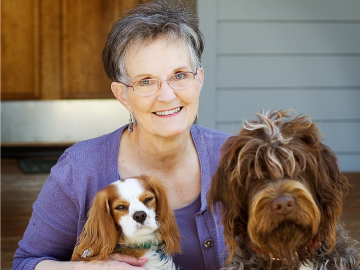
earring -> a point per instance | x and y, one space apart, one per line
197 116
131 123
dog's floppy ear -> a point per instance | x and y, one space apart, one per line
99 234
333 185
228 180
323 171
321 168
165 217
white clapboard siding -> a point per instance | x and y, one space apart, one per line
288 38
320 104
281 54
349 162
288 71
305 10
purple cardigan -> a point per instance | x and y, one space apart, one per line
59 213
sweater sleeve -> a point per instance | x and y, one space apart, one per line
52 230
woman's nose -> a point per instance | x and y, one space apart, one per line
166 93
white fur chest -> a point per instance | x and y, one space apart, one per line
302 267
157 259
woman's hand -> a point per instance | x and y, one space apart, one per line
127 259
114 262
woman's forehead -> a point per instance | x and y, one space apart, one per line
161 53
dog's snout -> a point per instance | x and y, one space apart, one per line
139 216
283 204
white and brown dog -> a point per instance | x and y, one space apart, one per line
133 217
279 191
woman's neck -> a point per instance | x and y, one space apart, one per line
157 153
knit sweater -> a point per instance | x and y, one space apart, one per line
59 213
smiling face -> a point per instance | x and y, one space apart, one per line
133 207
168 112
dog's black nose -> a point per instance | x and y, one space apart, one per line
283 204
140 216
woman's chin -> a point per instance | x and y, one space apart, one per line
171 127
172 130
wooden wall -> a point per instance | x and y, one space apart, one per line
52 49
280 54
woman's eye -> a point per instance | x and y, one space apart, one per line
121 207
144 83
180 76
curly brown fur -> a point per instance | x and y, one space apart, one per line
279 190
344 256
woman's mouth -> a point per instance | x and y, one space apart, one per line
169 112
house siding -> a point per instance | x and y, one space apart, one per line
301 55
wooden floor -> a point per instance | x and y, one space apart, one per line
19 191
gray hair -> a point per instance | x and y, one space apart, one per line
146 23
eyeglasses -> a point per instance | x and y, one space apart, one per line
178 81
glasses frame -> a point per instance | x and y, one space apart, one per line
160 82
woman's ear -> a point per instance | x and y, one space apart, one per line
200 76
119 91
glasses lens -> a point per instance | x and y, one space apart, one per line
146 87
181 80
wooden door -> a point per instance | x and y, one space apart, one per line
20 58
51 49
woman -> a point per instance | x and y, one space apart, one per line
153 57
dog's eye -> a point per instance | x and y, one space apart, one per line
148 200
121 207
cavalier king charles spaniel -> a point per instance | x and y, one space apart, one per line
133 217
279 191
